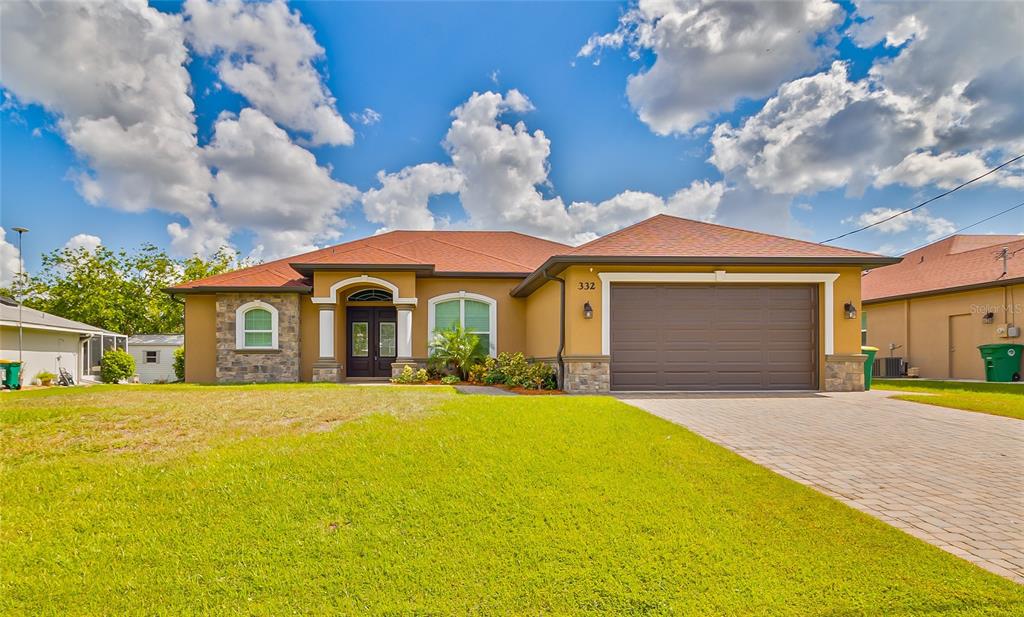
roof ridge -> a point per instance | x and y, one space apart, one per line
707 224
514 263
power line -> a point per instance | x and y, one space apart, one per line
975 224
926 202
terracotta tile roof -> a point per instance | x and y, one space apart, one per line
670 236
486 252
960 261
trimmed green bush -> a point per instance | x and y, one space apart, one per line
450 379
514 370
116 365
410 375
179 363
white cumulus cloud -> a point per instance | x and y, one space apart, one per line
268 184
708 55
402 201
88 242
10 260
268 57
500 172
934 226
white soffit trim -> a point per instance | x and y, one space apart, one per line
718 276
363 279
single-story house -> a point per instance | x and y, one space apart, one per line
666 304
154 356
937 305
50 342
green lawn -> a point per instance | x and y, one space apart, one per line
328 499
999 399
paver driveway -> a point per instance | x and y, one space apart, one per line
953 478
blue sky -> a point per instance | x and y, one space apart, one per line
623 151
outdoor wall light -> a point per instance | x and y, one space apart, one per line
850 310
588 311
989 317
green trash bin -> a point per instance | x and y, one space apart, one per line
12 375
869 364
1002 361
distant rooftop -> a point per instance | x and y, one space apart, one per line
176 340
35 319
961 261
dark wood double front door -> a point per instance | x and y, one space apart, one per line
372 340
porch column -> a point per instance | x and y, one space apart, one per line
326 368
404 332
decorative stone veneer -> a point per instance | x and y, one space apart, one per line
844 373
326 373
587 375
258 366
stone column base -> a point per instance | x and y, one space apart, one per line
587 374
844 373
326 372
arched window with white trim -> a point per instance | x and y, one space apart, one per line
476 314
256 326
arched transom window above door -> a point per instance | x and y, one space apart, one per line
475 313
371 295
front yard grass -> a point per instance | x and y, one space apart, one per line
323 499
999 399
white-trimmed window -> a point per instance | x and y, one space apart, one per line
475 313
152 356
256 326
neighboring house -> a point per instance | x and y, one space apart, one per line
666 304
52 342
936 306
154 356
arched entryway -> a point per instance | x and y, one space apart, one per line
376 327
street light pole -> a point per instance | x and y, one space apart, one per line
21 281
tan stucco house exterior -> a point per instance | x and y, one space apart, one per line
666 304
936 306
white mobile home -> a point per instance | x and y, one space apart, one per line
154 356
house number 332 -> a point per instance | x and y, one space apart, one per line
586 285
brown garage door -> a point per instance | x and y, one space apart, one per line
714 337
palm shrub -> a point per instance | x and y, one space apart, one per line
179 363
116 365
456 350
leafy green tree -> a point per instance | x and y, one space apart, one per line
119 290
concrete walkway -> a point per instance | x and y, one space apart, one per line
952 478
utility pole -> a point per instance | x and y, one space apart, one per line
21 281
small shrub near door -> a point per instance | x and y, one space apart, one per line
116 366
411 375
179 363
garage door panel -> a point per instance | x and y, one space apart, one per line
711 337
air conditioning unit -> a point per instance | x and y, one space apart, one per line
888 367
